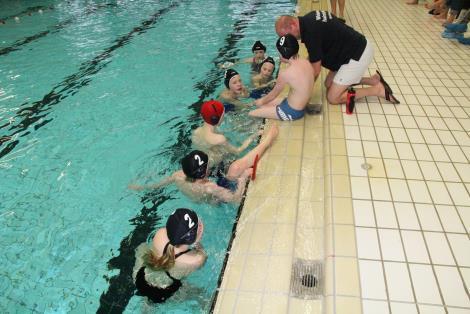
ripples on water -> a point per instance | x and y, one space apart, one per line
87 118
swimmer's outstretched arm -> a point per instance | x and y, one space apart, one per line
231 100
155 186
280 83
257 85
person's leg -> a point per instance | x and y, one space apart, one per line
240 165
337 94
329 79
268 110
265 112
371 81
333 6
341 7
464 17
412 2
450 17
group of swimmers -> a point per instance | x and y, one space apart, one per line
206 176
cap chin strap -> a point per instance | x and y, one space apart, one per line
166 246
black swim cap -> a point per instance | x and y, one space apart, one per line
228 76
269 60
287 46
181 227
195 164
258 46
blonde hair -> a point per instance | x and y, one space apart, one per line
164 262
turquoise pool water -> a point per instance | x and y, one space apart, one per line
95 95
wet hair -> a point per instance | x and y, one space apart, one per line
165 262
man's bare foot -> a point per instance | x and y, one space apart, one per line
382 93
412 2
375 79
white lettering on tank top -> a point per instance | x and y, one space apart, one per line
323 16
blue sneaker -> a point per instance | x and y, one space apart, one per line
465 41
450 35
456 28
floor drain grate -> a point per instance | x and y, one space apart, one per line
307 279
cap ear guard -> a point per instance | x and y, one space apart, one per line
190 236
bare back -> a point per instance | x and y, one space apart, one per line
211 143
206 191
299 76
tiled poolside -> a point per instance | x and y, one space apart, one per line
381 196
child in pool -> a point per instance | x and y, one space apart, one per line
265 76
193 180
235 90
298 76
162 264
259 51
208 139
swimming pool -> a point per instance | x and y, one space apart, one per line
95 95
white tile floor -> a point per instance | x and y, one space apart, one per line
412 208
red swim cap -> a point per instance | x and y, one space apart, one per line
211 111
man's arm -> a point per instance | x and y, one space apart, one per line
316 69
280 83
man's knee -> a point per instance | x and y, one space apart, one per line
328 83
332 97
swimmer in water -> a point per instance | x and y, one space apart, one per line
175 252
265 76
193 179
298 76
259 51
235 90
208 139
